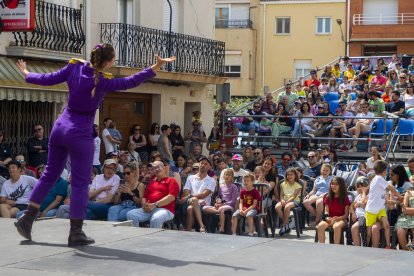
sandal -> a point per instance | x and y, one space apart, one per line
203 230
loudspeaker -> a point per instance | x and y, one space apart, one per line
223 93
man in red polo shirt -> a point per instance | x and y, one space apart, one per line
313 79
158 204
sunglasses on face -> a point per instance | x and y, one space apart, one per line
257 107
137 129
286 159
311 156
256 153
37 129
126 173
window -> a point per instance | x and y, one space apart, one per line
379 50
175 6
232 71
302 67
283 25
323 25
126 11
380 12
222 17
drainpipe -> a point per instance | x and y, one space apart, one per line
263 46
348 23
169 35
86 28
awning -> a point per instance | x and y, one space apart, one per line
14 87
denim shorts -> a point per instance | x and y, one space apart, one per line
251 213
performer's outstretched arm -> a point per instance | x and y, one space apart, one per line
138 78
43 79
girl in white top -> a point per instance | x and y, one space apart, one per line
153 137
375 155
409 97
320 188
357 211
332 85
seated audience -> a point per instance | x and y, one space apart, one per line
226 199
158 203
128 196
248 207
15 191
197 193
336 210
102 191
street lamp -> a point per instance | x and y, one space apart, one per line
339 22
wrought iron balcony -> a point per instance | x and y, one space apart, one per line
237 23
57 28
136 46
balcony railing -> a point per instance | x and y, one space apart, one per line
239 23
136 47
395 19
57 28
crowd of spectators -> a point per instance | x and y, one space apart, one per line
362 92
184 192
152 180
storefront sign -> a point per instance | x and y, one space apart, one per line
17 15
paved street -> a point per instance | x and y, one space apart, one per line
133 251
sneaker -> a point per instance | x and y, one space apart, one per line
288 229
353 149
282 231
344 148
291 223
410 247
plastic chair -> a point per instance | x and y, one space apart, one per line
379 130
406 127
333 105
331 96
353 96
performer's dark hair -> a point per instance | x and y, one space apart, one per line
101 54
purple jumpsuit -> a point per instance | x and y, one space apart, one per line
73 135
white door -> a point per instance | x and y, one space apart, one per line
380 12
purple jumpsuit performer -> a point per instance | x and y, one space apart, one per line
72 134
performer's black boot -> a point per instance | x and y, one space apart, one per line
76 236
24 223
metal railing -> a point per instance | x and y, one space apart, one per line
57 28
300 137
395 19
280 89
136 46
233 23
